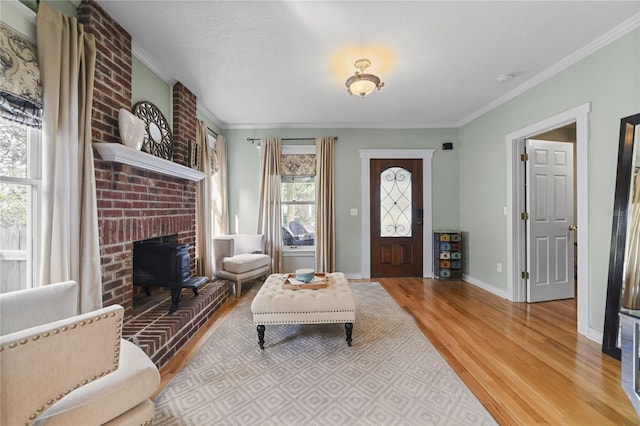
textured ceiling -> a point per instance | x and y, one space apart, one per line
284 63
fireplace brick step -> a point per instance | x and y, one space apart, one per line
162 335
194 284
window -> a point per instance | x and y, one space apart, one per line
298 211
19 204
218 185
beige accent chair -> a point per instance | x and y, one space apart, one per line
64 368
240 258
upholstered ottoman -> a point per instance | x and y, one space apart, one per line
275 305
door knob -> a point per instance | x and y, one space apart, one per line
572 227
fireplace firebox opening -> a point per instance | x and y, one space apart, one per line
162 262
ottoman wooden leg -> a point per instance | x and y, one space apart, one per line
261 336
349 328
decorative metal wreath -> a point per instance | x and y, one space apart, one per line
158 139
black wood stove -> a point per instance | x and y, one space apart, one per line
160 264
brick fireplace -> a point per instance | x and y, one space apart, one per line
135 204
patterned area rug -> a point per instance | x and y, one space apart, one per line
307 375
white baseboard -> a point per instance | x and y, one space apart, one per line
353 275
485 286
595 335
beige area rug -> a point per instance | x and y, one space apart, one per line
307 375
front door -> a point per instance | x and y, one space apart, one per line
550 227
396 217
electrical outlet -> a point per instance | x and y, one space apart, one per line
499 267
354 212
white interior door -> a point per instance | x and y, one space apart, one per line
550 228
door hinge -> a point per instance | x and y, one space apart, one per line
525 275
524 157
524 215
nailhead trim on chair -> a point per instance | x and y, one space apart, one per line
116 357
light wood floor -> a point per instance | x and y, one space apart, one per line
524 362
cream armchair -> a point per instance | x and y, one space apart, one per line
240 258
62 368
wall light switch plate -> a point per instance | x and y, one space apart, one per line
354 212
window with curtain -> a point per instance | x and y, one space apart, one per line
213 154
20 166
20 193
298 199
217 186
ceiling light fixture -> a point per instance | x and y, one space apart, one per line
362 84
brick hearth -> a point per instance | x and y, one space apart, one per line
161 335
134 204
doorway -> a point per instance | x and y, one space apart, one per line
549 211
516 257
366 155
396 217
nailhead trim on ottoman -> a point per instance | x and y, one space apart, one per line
275 305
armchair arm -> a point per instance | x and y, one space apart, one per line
42 364
44 304
223 246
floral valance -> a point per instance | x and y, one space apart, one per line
298 165
20 88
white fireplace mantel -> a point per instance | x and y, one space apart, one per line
122 154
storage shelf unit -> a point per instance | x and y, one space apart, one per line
447 255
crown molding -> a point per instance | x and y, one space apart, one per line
597 44
209 116
144 57
148 60
253 126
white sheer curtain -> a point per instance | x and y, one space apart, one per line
325 209
219 188
269 214
69 227
204 208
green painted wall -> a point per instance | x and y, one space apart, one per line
147 86
244 178
68 7
610 80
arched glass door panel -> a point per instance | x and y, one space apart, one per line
395 202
